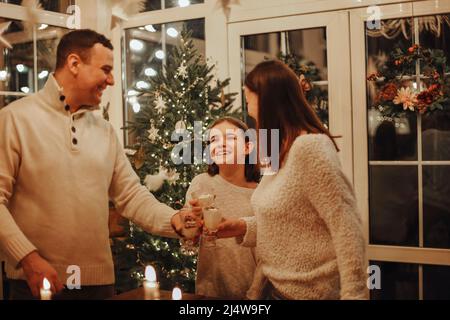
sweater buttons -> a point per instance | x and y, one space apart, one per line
74 141
67 107
74 130
62 98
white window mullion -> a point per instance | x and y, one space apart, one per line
419 138
35 59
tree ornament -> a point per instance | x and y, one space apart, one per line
182 70
31 7
152 132
154 182
180 127
3 27
121 10
160 105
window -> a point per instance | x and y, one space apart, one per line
146 49
304 50
408 154
409 157
25 67
400 281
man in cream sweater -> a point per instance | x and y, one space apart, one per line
59 166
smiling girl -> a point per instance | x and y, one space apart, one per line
227 270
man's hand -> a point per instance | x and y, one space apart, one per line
195 212
231 228
36 269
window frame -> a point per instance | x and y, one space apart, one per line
401 254
52 19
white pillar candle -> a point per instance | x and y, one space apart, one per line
176 294
151 286
46 293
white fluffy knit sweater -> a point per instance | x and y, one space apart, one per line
307 228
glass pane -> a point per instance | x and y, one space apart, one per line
146 50
436 136
388 138
47 42
312 45
16 64
50 5
5 100
392 138
259 47
151 5
304 51
436 282
436 206
399 281
393 199
56 5
435 34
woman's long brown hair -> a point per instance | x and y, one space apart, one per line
282 104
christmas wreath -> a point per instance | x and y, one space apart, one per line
402 90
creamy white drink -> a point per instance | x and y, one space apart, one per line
212 218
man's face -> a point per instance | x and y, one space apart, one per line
94 75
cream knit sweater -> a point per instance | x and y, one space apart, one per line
307 228
57 172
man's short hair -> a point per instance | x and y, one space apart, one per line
79 42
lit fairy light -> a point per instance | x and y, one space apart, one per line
160 54
136 45
150 28
184 3
172 32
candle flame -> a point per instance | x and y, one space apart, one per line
46 284
150 274
176 294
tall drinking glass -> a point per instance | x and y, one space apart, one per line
190 232
211 218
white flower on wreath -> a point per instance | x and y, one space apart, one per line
406 97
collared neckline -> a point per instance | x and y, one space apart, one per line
53 93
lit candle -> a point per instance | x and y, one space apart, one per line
176 294
46 294
151 286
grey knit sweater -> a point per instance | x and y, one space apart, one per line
307 228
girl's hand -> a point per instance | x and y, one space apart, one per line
229 228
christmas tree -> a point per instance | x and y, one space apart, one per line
186 91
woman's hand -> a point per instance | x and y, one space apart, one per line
229 228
